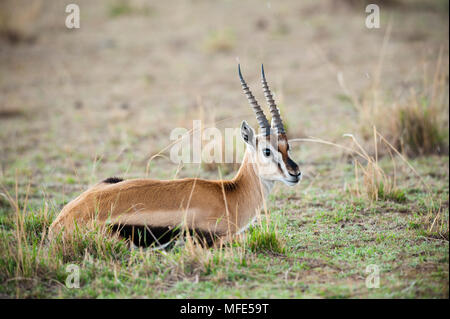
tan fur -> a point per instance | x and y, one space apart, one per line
222 207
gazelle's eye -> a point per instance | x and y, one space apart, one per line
266 152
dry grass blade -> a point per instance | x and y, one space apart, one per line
377 184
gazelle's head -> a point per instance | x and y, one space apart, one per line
270 149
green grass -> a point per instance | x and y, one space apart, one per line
397 195
123 7
313 245
261 239
221 40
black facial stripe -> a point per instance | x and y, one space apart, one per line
280 169
292 164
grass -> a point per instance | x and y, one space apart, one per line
220 40
420 126
264 240
321 252
120 8
377 184
433 220
264 237
418 122
336 237
371 180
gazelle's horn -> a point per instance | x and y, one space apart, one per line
260 117
276 118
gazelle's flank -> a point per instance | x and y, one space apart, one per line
209 208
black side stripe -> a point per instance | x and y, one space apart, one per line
147 236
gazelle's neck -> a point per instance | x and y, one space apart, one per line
248 177
249 195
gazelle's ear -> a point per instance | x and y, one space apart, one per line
248 134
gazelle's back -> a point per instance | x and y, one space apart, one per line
143 202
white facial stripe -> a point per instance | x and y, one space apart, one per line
277 157
275 152
283 167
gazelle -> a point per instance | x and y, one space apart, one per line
211 209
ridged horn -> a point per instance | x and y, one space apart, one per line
276 117
260 117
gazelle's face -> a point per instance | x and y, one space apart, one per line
271 155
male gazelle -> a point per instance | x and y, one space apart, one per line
212 209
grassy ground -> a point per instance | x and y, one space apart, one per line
78 106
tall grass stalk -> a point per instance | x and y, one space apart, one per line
416 124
